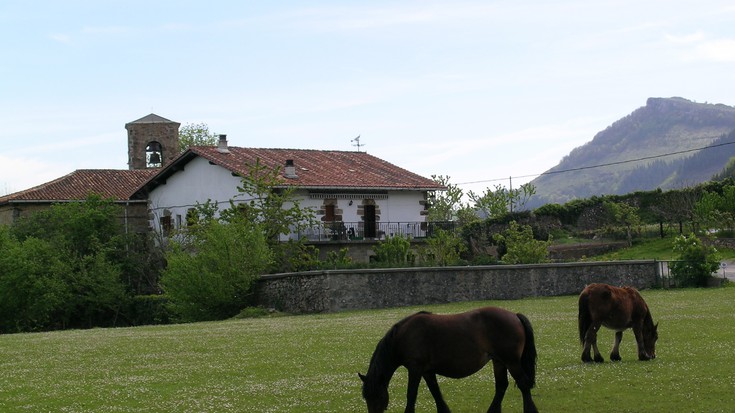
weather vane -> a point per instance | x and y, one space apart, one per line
358 144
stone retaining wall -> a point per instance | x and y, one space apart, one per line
339 290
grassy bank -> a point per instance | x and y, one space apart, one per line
309 364
653 248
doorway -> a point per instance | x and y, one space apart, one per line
369 219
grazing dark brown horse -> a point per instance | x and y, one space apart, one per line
617 309
454 346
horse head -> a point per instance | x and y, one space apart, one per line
650 336
375 396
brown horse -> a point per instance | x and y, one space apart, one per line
454 346
617 309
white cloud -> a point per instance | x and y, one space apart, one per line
60 37
700 47
98 30
720 50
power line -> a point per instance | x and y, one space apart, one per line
645 158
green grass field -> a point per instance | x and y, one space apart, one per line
310 364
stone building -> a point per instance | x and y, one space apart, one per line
153 142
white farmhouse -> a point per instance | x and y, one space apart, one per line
355 195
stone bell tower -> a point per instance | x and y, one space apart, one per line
153 142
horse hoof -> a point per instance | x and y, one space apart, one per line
586 359
615 357
599 359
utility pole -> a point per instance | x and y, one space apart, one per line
510 193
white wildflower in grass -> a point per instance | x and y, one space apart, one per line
309 363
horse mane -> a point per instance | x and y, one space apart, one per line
648 318
382 364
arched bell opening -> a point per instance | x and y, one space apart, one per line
153 155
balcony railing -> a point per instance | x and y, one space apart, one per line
355 231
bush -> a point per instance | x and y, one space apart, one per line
211 271
696 262
338 259
45 283
443 248
521 247
394 251
32 291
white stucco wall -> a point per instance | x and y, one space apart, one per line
198 182
201 181
399 206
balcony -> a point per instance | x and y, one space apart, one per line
357 231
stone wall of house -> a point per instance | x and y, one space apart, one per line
133 215
357 251
339 290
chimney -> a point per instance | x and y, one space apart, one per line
290 170
222 144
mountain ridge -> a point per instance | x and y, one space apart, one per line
668 143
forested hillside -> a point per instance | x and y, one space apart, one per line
669 143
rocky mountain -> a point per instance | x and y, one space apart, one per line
669 143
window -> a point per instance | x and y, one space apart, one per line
329 213
165 223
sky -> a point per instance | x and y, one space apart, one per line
484 92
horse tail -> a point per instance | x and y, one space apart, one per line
528 357
585 317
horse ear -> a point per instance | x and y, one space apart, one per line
361 377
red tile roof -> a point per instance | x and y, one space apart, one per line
314 169
109 183
320 168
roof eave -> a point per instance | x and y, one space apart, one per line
165 173
362 188
53 201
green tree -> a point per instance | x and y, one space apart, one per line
727 207
443 248
447 205
706 211
62 267
264 198
443 204
520 245
623 215
695 263
33 291
212 269
497 203
271 203
81 227
195 134
716 211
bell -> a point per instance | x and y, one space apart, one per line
155 159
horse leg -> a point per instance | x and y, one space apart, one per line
441 405
414 379
642 355
615 353
590 339
522 382
501 384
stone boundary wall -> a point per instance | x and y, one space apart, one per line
340 290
